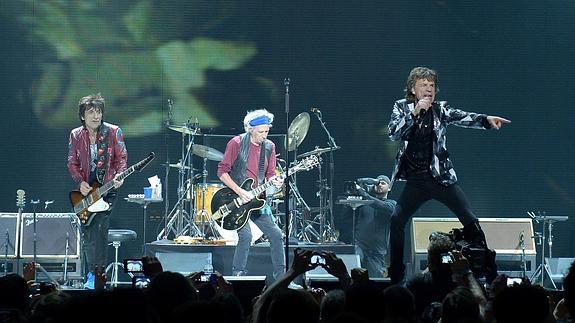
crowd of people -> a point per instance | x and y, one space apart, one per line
443 293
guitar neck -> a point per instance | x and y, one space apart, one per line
260 189
108 186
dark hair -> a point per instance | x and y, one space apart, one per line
92 101
418 73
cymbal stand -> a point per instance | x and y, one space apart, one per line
296 218
327 232
206 220
181 221
543 268
167 122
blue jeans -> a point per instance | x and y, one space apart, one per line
264 221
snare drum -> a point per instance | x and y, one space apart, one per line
203 202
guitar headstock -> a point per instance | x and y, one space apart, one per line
144 162
20 198
307 163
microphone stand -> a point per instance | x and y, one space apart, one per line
287 192
166 177
333 145
37 266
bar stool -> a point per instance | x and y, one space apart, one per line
116 237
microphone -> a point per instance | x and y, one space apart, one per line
315 110
367 180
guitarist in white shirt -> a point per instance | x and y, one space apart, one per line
252 155
96 155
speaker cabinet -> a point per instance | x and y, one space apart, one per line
57 234
9 234
502 234
53 268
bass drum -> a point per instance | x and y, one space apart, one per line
203 199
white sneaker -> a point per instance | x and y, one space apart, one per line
293 285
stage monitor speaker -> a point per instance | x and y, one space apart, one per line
11 266
318 273
52 231
559 267
184 263
502 234
54 268
9 234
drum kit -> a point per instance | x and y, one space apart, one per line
190 217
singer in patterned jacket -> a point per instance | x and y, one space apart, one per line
419 123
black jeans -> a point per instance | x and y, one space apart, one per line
419 189
95 238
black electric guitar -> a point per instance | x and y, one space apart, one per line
229 209
86 206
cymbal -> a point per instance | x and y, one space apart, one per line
207 152
185 129
317 151
297 130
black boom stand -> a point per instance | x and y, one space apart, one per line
287 192
36 265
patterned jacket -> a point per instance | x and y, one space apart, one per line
79 153
401 126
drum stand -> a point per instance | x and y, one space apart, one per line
543 269
325 224
181 221
204 218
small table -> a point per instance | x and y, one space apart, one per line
354 202
139 199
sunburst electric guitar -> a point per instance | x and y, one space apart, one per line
86 206
232 213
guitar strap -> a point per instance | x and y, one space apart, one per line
102 161
261 170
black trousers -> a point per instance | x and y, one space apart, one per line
419 189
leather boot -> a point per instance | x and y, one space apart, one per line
100 279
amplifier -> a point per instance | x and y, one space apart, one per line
53 268
54 232
9 234
502 234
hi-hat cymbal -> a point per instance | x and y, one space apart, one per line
207 152
317 151
297 131
185 129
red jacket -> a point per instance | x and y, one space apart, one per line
79 153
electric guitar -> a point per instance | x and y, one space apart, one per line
86 206
20 200
233 213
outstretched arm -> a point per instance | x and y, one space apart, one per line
497 122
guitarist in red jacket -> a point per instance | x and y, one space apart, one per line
252 155
96 155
